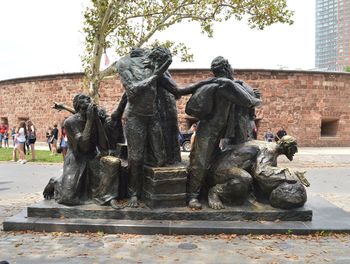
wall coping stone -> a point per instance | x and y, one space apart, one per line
81 74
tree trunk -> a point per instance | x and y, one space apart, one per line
99 45
94 85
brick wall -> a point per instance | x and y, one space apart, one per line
297 100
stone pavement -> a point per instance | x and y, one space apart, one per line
41 248
21 185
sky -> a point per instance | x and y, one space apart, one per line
40 37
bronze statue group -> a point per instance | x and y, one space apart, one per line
147 115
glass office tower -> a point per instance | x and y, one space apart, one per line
332 34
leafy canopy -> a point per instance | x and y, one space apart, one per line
123 24
133 23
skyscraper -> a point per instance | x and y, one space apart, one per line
332 35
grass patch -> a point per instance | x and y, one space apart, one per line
41 156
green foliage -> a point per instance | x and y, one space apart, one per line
123 24
347 69
41 156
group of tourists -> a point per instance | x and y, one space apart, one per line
24 138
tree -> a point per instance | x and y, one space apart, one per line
123 24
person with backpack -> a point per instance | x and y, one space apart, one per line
54 139
31 137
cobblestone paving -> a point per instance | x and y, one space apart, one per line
100 248
30 247
12 206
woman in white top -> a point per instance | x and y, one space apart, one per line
21 139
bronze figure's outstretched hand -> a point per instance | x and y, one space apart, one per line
58 106
61 106
257 93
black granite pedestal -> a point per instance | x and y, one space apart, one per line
48 216
249 211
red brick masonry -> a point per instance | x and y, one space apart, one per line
298 100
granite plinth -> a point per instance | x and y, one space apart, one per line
165 186
249 211
326 218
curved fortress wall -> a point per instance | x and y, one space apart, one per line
312 106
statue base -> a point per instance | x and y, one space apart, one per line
256 218
249 211
48 216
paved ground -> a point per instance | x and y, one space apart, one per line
21 185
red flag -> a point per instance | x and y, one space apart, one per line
106 60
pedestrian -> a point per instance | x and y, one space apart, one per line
31 135
21 139
269 135
280 134
15 148
13 135
6 139
3 129
54 139
49 137
63 141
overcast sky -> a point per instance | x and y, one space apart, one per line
39 37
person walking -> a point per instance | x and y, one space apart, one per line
6 139
21 140
13 135
15 148
31 137
3 129
49 137
63 141
54 140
